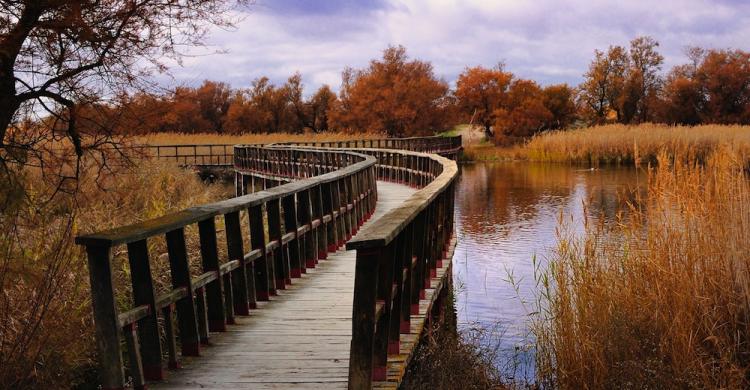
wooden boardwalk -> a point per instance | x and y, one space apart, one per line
300 339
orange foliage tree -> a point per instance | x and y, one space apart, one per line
479 92
395 96
604 84
559 99
524 113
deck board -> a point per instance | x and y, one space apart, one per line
300 339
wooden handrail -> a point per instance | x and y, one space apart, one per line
396 259
333 194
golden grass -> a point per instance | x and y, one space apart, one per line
212 138
45 313
659 300
633 144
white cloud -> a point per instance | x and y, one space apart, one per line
547 40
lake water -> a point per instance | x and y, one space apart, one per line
507 215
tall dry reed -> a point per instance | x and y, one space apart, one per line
46 330
659 300
639 144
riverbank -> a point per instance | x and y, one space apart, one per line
617 144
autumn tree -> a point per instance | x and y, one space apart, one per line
642 81
682 99
394 95
213 99
320 105
479 92
58 56
559 100
524 112
300 112
604 83
724 76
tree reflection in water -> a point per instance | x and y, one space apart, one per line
506 217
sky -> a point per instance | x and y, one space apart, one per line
545 40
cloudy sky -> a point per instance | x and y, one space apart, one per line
549 41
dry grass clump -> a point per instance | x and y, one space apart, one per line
660 300
46 331
487 152
633 144
447 360
213 138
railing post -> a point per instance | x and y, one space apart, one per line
265 284
242 289
291 225
107 328
280 260
143 294
363 320
187 318
215 290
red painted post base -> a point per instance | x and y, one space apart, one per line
427 284
272 292
394 347
261 295
252 306
280 284
422 294
288 282
433 273
405 326
217 326
379 373
440 263
322 255
295 273
191 349
310 263
154 373
332 248
414 309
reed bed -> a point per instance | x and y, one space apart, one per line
46 331
639 144
660 299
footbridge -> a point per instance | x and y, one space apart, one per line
323 272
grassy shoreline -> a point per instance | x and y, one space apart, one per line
618 144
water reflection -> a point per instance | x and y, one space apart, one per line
506 216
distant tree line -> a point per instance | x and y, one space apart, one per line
399 96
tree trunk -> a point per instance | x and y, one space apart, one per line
8 106
488 131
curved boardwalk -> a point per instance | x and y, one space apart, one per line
300 339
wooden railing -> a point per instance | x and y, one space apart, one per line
221 155
333 195
445 146
397 255
396 259
209 155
